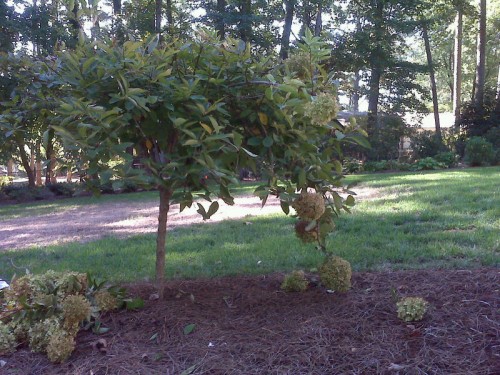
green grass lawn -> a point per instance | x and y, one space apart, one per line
420 220
12 211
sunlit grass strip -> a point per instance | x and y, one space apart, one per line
427 220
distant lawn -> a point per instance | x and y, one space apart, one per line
11 211
434 219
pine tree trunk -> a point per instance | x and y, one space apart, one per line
49 154
220 24
245 26
318 26
161 237
10 168
355 92
25 161
481 57
457 67
158 6
432 79
170 17
287 28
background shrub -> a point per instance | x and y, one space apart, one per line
479 151
448 158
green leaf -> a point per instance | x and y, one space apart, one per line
350 201
189 370
189 328
213 209
254 141
285 207
268 141
134 303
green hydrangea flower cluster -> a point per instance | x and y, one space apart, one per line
309 206
335 274
295 282
7 340
76 309
322 109
105 301
51 309
412 309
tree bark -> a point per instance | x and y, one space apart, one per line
25 161
432 79
49 155
481 57
161 237
287 28
158 6
457 67
170 17
376 67
220 24
355 92
318 26
117 7
306 17
245 26
10 168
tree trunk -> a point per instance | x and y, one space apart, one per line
69 175
287 28
497 106
377 56
457 67
318 26
49 155
117 7
355 92
432 79
373 96
220 24
306 17
170 17
25 161
481 57
161 237
10 168
245 26
158 6
38 172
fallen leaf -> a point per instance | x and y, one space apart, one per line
189 328
154 297
395 367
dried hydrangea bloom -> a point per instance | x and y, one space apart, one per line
309 206
76 309
8 341
105 301
322 109
335 274
304 235
412 308
295 282
60 346
41 332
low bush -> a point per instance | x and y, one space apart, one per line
478 151
352 165
427 164
23 193
62 189
48 310
5 180
448 158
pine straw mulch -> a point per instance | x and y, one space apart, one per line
246 325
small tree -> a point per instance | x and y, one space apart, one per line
196 112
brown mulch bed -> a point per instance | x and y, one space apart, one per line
246 325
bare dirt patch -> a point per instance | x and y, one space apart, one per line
247 325
121 220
